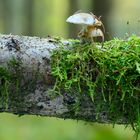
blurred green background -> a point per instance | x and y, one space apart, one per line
47 17
42 128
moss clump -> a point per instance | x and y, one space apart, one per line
10 77
5 79
113 71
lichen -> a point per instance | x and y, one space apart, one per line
112 71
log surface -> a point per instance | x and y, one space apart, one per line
34 93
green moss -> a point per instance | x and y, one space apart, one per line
112 71
5 78
10 76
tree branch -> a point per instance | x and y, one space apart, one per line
26 83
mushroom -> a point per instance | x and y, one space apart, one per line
90 23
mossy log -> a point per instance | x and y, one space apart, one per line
27 84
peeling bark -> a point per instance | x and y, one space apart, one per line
32 92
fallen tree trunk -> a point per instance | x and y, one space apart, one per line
26 83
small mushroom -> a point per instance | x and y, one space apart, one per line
90 24
97 32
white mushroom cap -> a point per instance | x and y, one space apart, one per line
82 18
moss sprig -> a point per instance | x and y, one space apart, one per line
113 70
